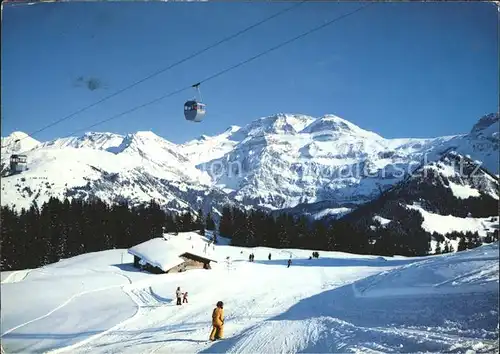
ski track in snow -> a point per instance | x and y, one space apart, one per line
24 274
59 307
19 276
140 298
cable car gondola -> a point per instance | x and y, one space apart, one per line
194 110
18 163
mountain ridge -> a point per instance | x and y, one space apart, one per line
275 162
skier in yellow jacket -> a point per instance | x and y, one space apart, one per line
217 322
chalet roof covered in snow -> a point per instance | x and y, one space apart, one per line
164 252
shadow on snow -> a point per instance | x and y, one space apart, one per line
340 262
403 324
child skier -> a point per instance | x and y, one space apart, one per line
185 298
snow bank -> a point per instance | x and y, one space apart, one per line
332 211
473 271
381 220
463 192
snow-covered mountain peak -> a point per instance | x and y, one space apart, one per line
90 140
18 135
297 121
280 123
147 135
18 142
149 145
232 129
332 124
486 122
487 127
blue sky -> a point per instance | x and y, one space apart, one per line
398 69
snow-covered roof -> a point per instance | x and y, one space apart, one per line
165 253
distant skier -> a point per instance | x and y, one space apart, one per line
217 322
289 262
178 294
185 297
269 256
250 257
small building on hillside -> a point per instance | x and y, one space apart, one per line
160 256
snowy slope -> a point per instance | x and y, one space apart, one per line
207 148
18 142
329 209
446 224
276 162
97 303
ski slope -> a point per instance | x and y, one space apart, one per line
99 303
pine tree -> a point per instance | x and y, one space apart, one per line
319 238
250 229
268 231
210 224
302 232
9 231
462 245
187 222
438 248
170 224
474 240
240 228
201 222
330 236
226 222
284 224
32 232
